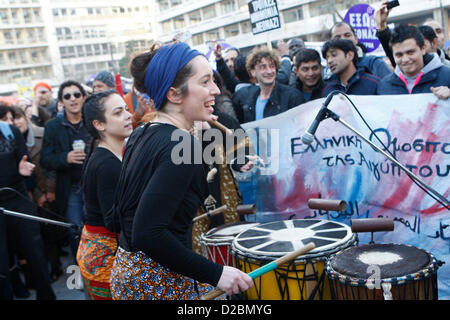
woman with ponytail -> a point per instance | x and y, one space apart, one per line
107 120
161 185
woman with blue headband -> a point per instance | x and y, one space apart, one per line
163 183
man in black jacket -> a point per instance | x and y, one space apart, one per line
60 154
268 98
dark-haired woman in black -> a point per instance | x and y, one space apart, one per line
107 120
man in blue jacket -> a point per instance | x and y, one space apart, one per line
342 59
416 70
373 64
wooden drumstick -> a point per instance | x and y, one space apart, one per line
221 127
211 213
211 174
266 268
327 205
246 209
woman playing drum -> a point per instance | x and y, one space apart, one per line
158 195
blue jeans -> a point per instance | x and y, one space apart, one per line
74 214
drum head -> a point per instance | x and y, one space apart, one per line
393 260
227 232
276 239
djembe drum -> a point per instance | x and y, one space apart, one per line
216 243
383 271
301 279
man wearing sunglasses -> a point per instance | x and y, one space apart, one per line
61 155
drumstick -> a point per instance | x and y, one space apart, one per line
211 174
266 268
211 213
246 209
220 126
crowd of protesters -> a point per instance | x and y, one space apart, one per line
64 156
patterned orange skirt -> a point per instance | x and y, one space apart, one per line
95 259
135 276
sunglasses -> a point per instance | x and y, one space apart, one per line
68 95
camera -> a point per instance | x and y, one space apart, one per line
392 4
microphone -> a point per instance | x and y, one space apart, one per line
308 136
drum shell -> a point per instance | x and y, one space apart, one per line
301 279
292 281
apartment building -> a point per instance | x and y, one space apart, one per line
24 47
55 40
228 20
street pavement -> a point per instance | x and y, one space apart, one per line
68 285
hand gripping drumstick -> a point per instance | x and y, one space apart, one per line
211 213
266 268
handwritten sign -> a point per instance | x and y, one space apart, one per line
264 15
340 165
360 17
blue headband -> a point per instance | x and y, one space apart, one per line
163 68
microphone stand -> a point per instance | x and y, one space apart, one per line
330 114
40 219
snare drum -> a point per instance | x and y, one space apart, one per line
216 243
383 271
297 280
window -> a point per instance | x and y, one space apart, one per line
12 58
194 17
318 9
175 3
55 12
40 34
31 36
290 16
19 36
68 33
7 37
80 51
35 56
179 22
228 6
212 35
97 49
232 30
197 39
37 15
23 57
209 12
167 26
15 17
4 17
105 49
27 17
246 27
163 5
89 50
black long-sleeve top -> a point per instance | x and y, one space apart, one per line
157 198
99 184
